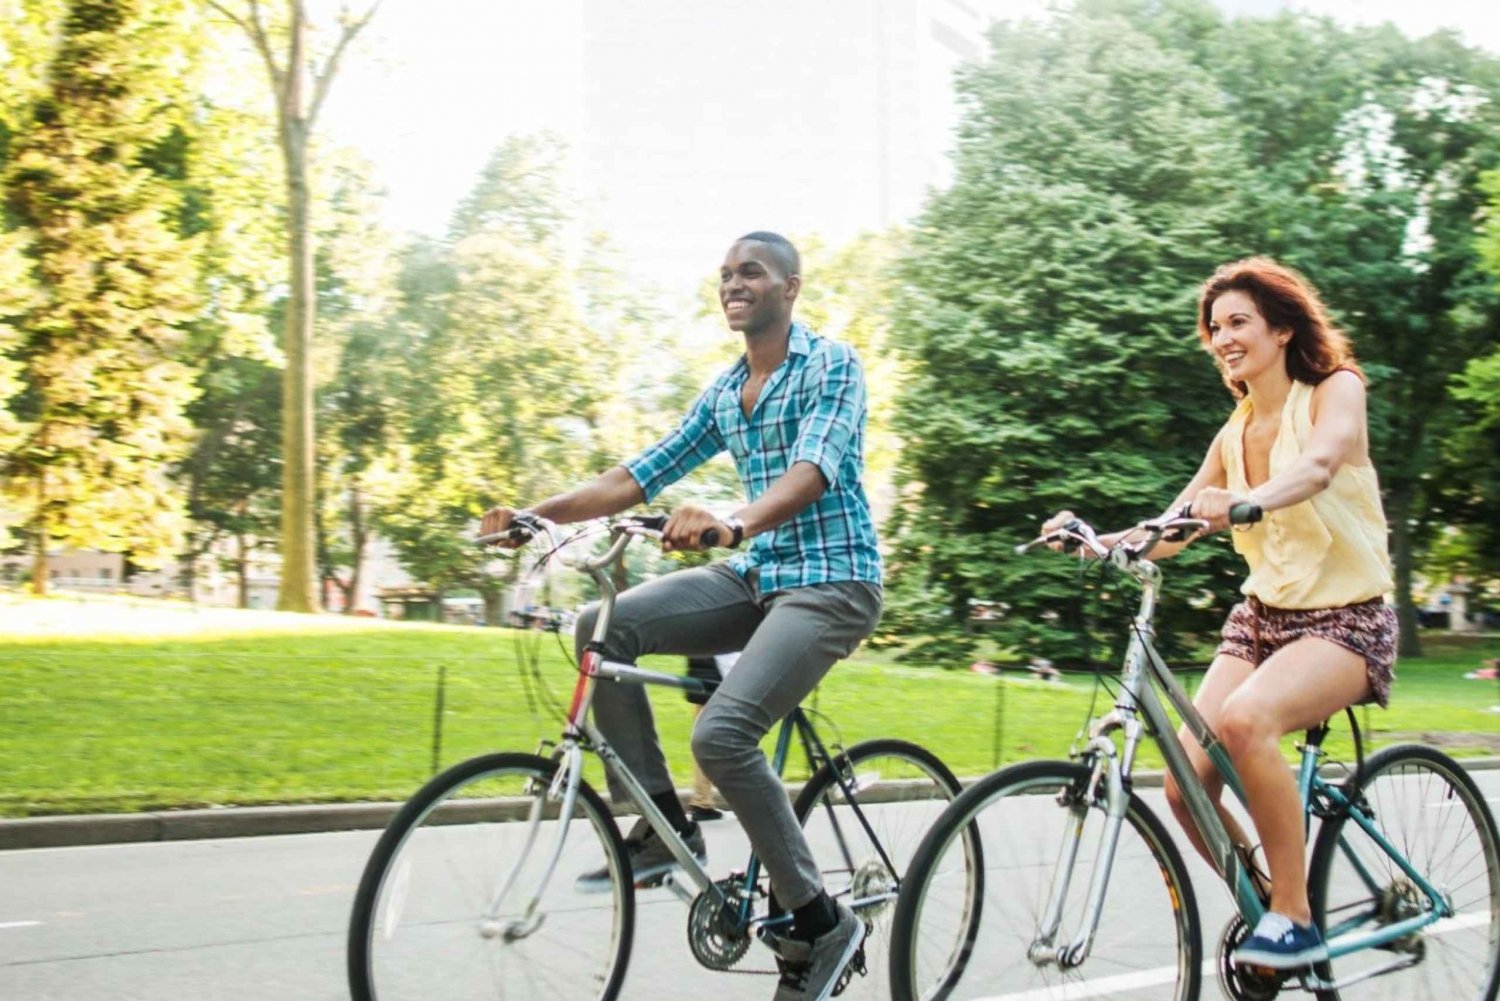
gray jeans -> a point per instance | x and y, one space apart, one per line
790 639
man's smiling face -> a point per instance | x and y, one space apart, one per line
754 291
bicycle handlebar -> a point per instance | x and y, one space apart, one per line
1177 527
527 526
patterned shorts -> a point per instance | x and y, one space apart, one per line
1254 631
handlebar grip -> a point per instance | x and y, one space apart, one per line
708 538
1245 514
515 533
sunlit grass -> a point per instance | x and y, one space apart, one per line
334 711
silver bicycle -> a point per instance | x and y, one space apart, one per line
472 891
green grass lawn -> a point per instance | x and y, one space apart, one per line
339 712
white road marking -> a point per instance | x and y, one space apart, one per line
19 924
1105 986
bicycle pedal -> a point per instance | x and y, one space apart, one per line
855 965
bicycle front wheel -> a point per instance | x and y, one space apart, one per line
1427 808
864 815
1042 840
470 893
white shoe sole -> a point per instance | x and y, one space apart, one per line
1280 960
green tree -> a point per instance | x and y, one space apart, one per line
227 177
102 409
1470 484
1046 314
1368 149
234 469
299 85
17 296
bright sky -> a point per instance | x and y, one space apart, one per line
438 83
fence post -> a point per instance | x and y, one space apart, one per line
437 716
999 721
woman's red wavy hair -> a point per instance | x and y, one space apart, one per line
1288 302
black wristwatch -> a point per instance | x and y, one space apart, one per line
738 528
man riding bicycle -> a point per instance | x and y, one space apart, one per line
804 593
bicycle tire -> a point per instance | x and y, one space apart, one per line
419 927
900 788
1012 813
1429 807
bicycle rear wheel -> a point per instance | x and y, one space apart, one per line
1430 810
864 838
425 923
1147 946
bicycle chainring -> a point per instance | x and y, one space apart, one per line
1244 983
713 931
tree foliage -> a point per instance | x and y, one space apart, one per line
100 346
1046 308
492 369
1109 160
299 81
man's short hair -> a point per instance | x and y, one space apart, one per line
781 248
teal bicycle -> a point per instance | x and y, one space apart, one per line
1087 896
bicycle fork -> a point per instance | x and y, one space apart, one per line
564 786
1044 950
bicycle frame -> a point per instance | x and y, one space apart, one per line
1144 672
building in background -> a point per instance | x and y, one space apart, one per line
698 122
689 123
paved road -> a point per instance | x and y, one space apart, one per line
254 918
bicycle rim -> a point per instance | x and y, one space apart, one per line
425 924
1147 945
900 789
1430 811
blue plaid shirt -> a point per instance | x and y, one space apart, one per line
812 409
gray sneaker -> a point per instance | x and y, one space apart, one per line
650 859
816 970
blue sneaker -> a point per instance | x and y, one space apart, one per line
1281 944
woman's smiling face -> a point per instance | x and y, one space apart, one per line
1242 340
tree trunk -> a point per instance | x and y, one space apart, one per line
298 551
492 605
190 575
39 543
1402 563
357 534
242 571
296 111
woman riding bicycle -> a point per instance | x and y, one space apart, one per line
1313 634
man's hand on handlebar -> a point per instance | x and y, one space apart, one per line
693 528
498 520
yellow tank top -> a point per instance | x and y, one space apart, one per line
1329 550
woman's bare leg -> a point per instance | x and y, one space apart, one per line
1225 675
1297 687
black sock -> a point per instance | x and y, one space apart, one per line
671 808
816 917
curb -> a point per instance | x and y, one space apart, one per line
253 821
